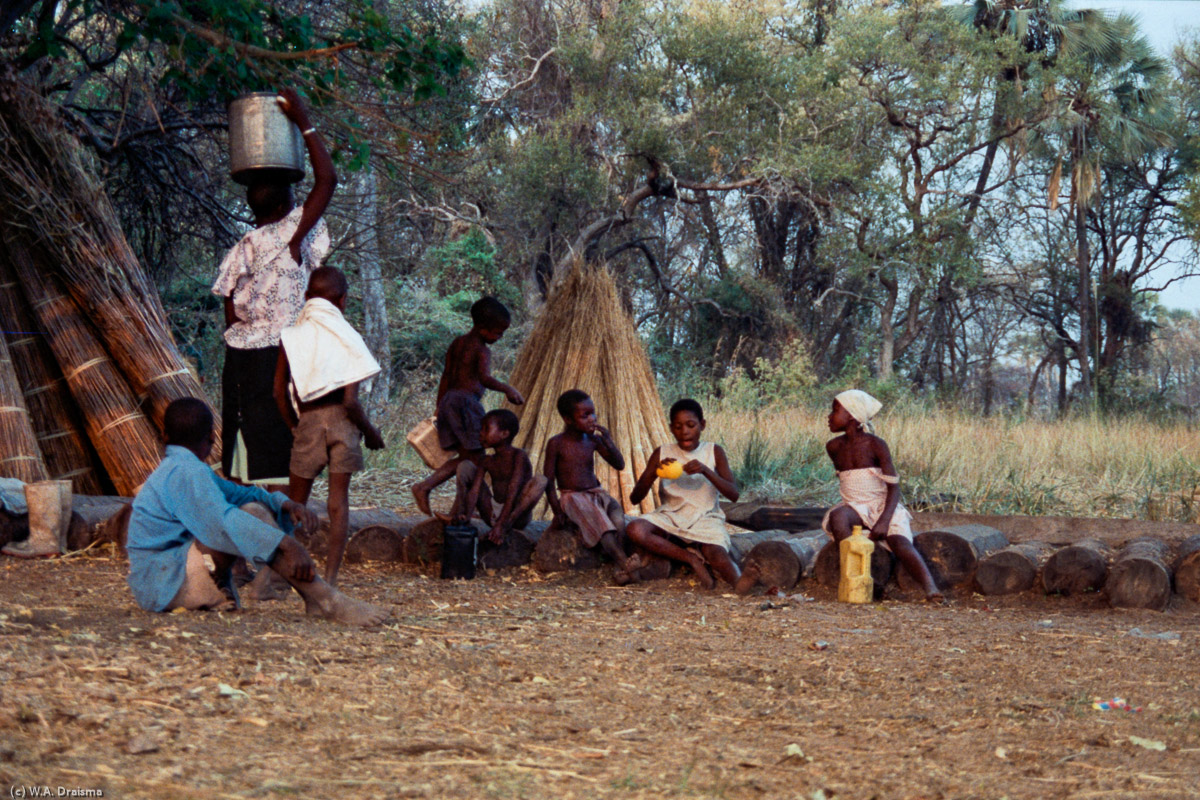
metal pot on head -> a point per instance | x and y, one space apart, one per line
263 142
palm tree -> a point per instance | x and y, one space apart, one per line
1046 30
1110 108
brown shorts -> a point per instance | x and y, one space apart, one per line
325 437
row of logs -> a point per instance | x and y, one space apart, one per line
1140 573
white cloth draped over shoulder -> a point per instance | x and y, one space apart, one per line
691 507
324 351
865 490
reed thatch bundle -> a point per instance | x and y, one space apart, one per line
48 192
127 442
19 454
583 339
56 423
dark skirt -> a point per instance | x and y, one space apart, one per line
248 405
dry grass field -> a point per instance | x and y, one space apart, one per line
1088 466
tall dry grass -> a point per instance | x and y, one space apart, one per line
1094 467
1077 467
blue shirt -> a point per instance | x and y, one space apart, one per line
183 501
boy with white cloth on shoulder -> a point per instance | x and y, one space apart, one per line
321 362
869 486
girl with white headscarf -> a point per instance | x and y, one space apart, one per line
869 485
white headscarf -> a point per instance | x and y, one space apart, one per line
860 405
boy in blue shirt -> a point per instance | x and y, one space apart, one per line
184 512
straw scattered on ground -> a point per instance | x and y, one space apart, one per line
522 686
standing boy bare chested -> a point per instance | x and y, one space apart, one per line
465 377
572 488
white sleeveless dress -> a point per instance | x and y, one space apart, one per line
865 490
691 506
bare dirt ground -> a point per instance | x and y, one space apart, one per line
520 685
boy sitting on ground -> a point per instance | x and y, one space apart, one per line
465 376
570 472
184 512
515 489
321 362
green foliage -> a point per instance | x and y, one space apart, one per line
465 269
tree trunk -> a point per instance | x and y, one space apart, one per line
1187 570
375 316
559 549
827 569
759 517
1140 577
1013 569
1083 264
953 553
1077 568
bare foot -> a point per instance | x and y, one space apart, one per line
627 573
421 496
337 607
936 598
696 562
445 519
748 580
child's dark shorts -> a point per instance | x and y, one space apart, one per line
459 418
325 437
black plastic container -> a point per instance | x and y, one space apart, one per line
460 544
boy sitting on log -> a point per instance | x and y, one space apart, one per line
572 488
869 486
466 375
321 362
515 489
184 512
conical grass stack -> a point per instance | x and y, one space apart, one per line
55 420
20 457
583 339
127 442
48 194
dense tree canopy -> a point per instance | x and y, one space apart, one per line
980 202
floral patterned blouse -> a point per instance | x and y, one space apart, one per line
266 284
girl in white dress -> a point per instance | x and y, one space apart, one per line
689 526
869 486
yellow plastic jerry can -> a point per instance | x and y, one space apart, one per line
856 585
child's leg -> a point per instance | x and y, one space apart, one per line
718 558
613 542
531 493
339 523
902 546
439 476
842 520
653 538
198 590
299 489
464 476
223 573
294 563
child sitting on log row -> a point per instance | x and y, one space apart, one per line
321 362
515 489
572 489
459 410
690 513
869 486
185 511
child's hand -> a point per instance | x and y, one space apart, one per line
692 467
879 531
559 522
496 535
514 397
293 108
373 439
303 518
